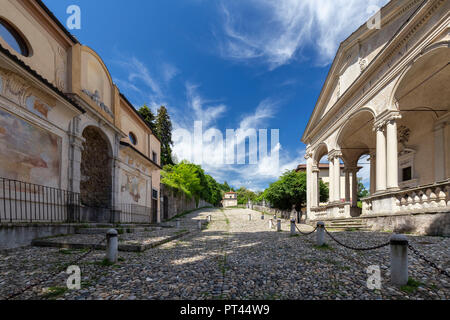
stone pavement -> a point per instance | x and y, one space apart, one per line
232 258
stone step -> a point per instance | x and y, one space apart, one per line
119 229
126 247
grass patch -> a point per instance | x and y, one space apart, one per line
120 259
120 231
54 292
411 286
65 251
325 246
180 232
104 263
187 212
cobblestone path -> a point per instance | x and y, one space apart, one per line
232 258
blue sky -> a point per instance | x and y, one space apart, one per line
228 63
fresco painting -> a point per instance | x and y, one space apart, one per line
28 153
134 186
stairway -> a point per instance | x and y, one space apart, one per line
354 224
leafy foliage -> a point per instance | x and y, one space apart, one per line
362 192
243 195
290 191
191 180
148 116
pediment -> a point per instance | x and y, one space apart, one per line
356 53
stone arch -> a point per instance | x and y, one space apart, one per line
421 95
356 136
321 150
431 53
96 169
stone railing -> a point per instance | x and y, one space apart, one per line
428 198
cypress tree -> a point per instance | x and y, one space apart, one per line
163 130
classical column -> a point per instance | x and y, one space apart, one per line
439 152
355 187
372 173
331 179
337 179
381 159
392 154
347 184
309 183
315 197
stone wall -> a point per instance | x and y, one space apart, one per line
279 213
432 224
178 203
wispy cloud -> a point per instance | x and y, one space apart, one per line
253 176
277 30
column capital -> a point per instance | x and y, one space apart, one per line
308 155
385 117
334 154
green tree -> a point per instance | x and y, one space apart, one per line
191 180
290 190
163 130
148 116
362 191
243 195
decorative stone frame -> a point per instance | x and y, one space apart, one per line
405 160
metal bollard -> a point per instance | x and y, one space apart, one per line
270 224
112 245
200 225
262 216
209 218
293 231
399 260
278 225
249 217
320 233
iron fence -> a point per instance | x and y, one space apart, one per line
132 213
27 202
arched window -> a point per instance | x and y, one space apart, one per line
13 38
133 138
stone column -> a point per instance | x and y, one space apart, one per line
347 184
355 187
337 179
372 173
331 179
76 148
381 159
392 154
439 152
315 196
309 183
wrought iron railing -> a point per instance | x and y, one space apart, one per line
28 202
132 213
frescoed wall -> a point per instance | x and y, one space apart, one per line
28 153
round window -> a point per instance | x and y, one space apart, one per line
13 38
133 138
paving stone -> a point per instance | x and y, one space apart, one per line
231 258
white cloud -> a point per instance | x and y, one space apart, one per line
255 177
275 31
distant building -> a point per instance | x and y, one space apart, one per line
230 199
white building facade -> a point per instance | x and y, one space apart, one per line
387 95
